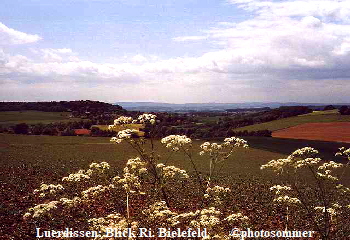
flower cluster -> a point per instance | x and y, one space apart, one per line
94 191
124 135
176 142
81 175
171 172
324 171
236 217
41 209
236 142
287 200
278 189
281 197
100 166
344 152
216 193
210 148
131 181
71 202
48 209
159 214
147 118
112 221
300 158
46 190
123 120
303 153
223 150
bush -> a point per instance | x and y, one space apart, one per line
21 128
344 110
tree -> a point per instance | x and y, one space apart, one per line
329 107
344 110
21 128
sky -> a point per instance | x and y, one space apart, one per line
175 51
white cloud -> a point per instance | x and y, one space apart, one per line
282 52
139 59
9 36
189 38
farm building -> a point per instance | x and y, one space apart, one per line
82 132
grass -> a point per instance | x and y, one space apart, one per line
317 117
63 155
287 146
33 117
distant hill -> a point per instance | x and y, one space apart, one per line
216 107
81 106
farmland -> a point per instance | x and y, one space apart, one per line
28 160
334 131
9 118
317 117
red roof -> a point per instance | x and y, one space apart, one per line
82 131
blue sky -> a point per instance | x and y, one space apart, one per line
175 51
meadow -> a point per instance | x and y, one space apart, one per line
11 118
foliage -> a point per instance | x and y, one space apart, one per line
344 110
62 106
329 107
21 128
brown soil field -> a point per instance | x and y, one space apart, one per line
334 132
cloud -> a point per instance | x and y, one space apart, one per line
189 38
279 54
9 36
56 55
326 9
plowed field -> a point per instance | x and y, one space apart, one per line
335 132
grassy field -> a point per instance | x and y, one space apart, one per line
286 146
63 155
318 117
33 117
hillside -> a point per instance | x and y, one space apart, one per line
10 118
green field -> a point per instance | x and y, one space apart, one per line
315 117
33 117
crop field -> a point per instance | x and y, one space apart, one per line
27 161
335 131
33 117
317 117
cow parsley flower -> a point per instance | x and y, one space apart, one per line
176 142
